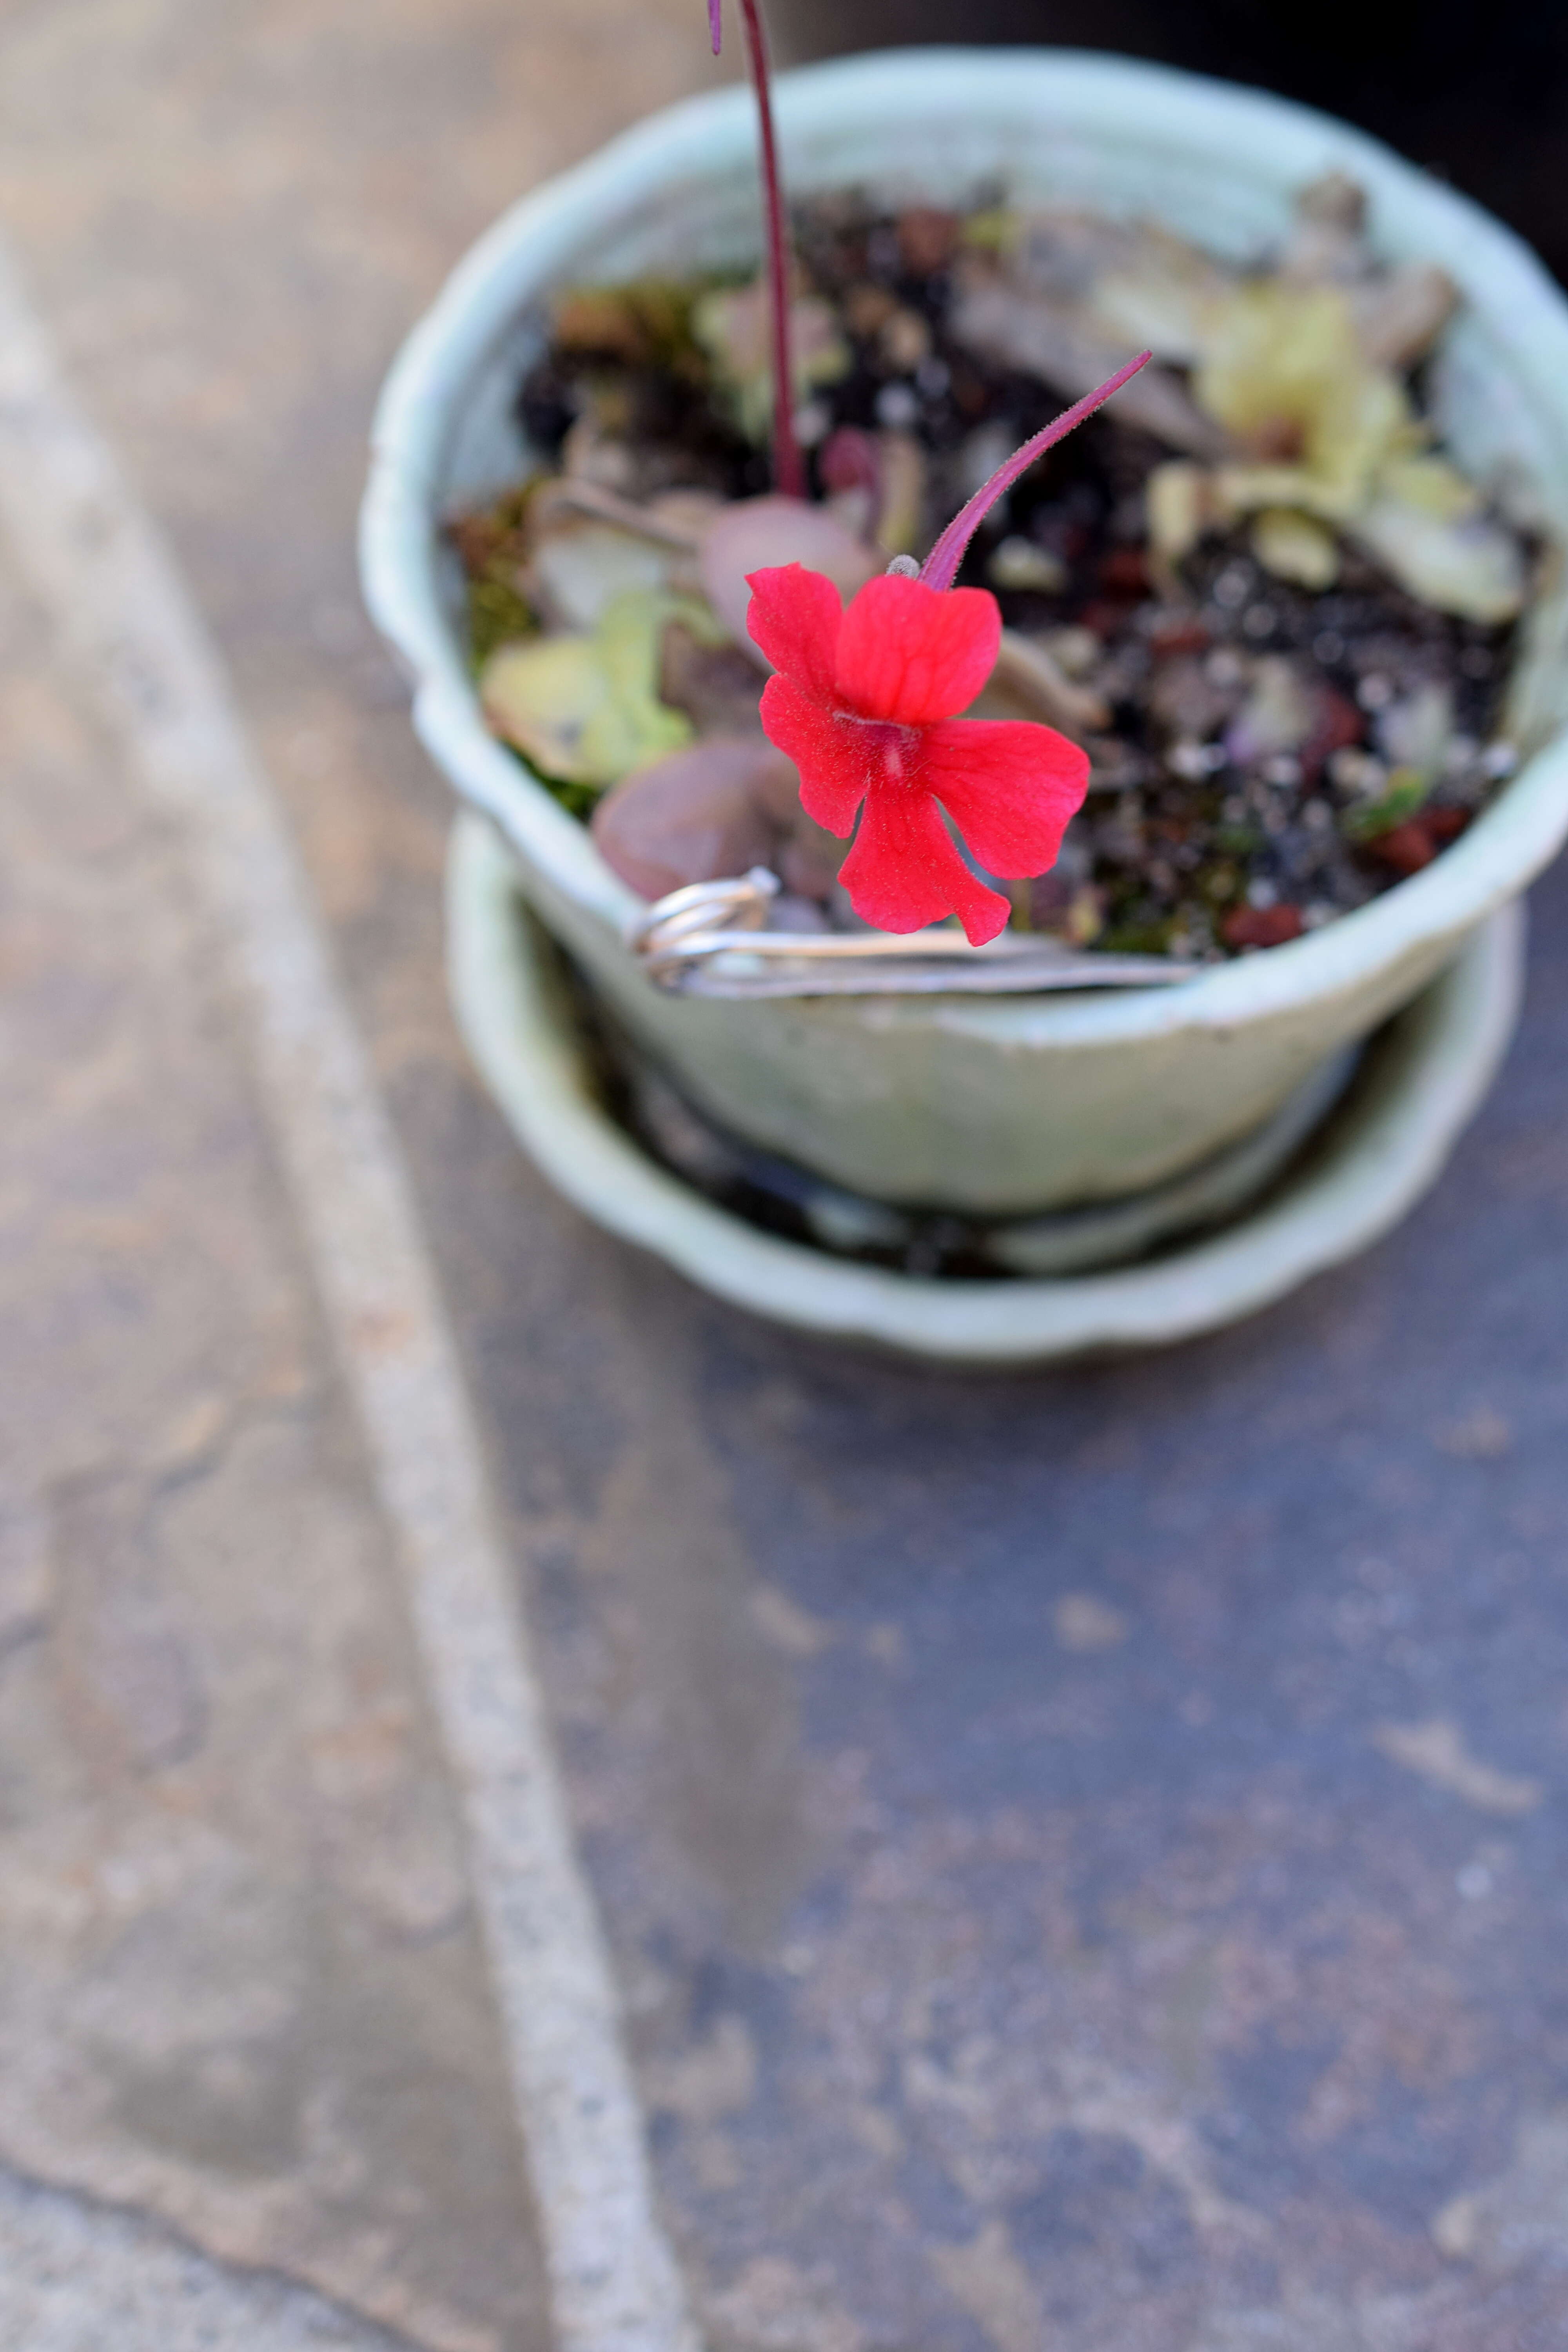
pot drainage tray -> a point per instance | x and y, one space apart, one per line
1418 1083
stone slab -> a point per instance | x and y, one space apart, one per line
65 2264
1087 1852
240 1983
1084 1852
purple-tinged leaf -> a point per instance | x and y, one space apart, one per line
755 534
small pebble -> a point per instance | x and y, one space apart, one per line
1125 572
1357 772
1406 847
927 238
1194 762
1234 586
1376 692
882 251
1261 927
1074 651
1183 635
1329 648
905 340
897 404
1019 563
1258 621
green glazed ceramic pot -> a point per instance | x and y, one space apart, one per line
1006 1104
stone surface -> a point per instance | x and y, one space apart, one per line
1085 1854
63 2265
239 1979
1177 1970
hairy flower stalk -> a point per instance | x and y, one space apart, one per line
940 569
789 466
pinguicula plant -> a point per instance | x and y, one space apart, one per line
866 699
1270 617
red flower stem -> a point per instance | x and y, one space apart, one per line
789 466
940 569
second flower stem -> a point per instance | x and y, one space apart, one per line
789 466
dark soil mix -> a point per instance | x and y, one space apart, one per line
1266 756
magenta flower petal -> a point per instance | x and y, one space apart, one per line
908 654
795 617
904 871
836 762
863 702
1009 786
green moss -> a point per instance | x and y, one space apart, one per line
648 324
492 543
1406 793
577 800
497 615
1220 884
1138 935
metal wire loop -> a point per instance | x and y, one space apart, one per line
708 939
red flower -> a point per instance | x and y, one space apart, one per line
864 703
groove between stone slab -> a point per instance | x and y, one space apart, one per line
66 2263
113 589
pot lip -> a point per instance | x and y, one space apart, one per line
1106 100
1384 1152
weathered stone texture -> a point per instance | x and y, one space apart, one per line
76 2277
239 1975
239 1981
1085 1854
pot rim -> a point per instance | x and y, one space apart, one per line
1110 100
